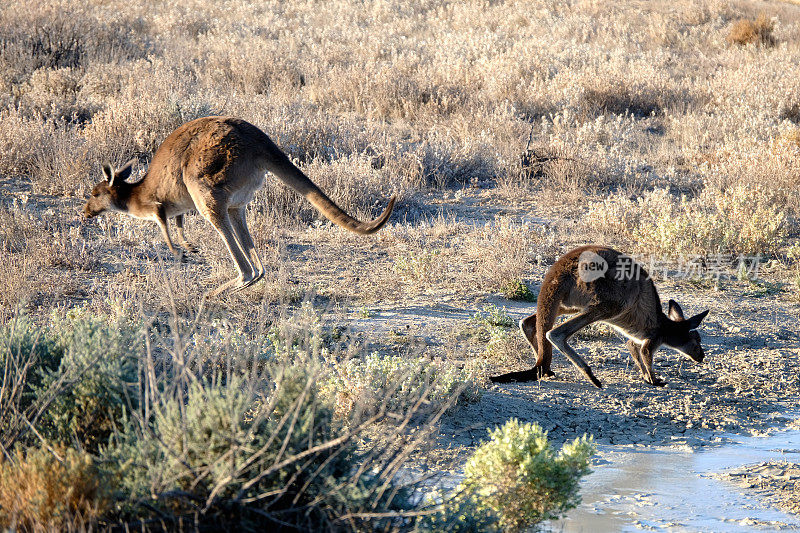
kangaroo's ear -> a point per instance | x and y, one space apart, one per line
675 312
125 172
694 322
108 172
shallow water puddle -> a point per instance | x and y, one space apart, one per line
668 489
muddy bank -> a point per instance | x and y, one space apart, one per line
775 482
668 489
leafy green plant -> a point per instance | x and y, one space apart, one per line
492 326
460 513
28 354
518 476
518 290
99 368
69 382
490 323
256 456
491 315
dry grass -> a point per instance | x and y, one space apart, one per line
44 490
736 221
399 100
758 31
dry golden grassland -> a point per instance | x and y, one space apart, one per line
510 131
638 114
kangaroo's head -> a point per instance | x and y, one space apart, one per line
680 332
109 194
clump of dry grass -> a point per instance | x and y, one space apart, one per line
54 489
490 257
507 250
750 31
17 262
557 173
619 97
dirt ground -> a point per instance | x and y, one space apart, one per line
748 383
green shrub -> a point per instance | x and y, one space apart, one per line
248 455
518 477
27 355
492 326
233 442
460 513
491 315
73 381
99 378
397 382
518 290
738 220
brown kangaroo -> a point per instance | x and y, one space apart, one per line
214 165
604 285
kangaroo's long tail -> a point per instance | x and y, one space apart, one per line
280 165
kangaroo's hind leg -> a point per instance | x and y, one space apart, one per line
559 336
224 227
238 219
214 209
544 360
528 328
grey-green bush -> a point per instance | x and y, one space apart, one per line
519 478
97 377
257 453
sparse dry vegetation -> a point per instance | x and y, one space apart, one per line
758 31
55 489
509 131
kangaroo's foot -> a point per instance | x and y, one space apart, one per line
246 282
533 374
180 254
191 248
234 285
658 382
